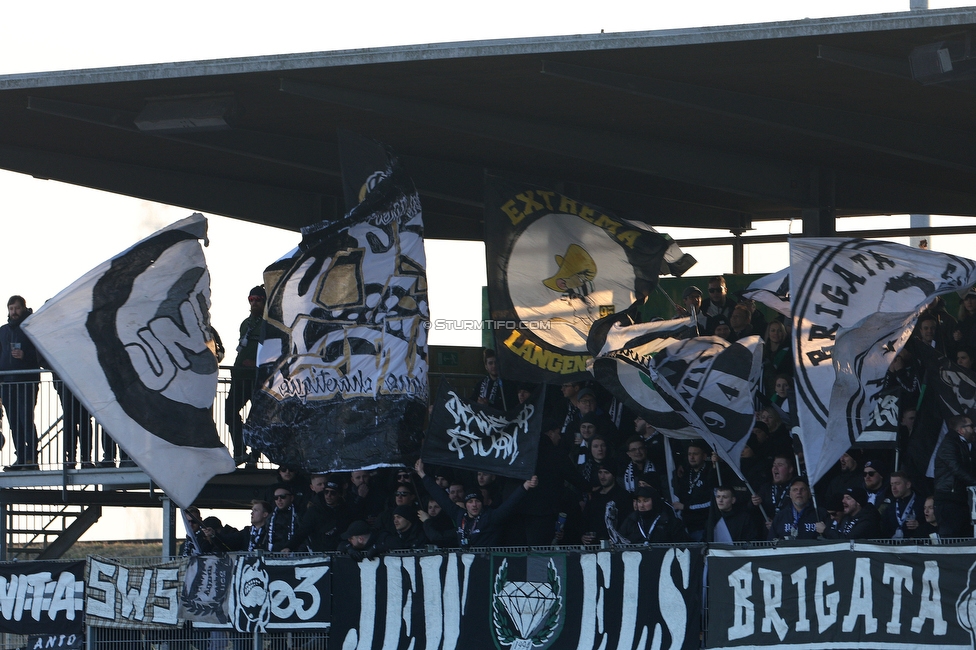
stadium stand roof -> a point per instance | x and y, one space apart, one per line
710 127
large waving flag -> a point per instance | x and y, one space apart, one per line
855 303
346 327
130 341
712 384
772 290
623 354
556 265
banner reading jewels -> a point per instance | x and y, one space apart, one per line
842 596
631 599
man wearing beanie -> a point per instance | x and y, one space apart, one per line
409 533
876 484
651 522
605 508
861 519
243 376
799 519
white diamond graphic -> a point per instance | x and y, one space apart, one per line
528 604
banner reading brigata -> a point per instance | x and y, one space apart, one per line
555 266
854 304
632 599
842 596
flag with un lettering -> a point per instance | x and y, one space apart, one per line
130 339
855 303
556 265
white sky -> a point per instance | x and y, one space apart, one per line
52 233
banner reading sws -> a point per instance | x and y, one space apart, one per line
555 265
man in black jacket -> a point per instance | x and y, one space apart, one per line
605 508
955 471
730 522
799 519
476 525
861 519
324 519
409 531
19 392
652 521
694 490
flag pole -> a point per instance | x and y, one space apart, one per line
669 463
753 493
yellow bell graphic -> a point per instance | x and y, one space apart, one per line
576 268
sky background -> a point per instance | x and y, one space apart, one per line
53 233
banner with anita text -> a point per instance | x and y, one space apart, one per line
44 600
842 595
631 599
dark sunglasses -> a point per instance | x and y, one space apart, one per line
404 494
278 497
714 291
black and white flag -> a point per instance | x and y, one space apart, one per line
838 285
130 339
623 353
346 330
479 437
713 385
772 290
556 265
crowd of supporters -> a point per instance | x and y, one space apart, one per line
605 475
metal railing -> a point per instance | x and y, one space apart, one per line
67 436
89 443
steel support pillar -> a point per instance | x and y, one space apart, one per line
819 218
169 528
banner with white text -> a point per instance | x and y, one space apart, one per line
632 599
146 596
43 599
842 596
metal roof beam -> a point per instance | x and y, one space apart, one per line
263 204
745 175
934 145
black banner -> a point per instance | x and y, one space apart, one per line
280 594
482 438
43 599
630 599
842 596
